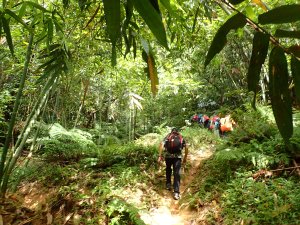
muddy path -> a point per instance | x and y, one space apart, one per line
173 212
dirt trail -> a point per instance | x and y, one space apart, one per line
170 211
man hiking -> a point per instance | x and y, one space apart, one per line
171 148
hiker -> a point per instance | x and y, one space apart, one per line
170 149
226 125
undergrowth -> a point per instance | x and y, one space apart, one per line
229 176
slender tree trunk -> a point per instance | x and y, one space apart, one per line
15 111
85 84
26 131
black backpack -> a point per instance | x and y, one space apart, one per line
173 143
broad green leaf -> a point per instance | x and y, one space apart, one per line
282 14
295 67
259 53
17 18
287 34
152 19
153 74
235 2
113 22
219 41
6 30
279 92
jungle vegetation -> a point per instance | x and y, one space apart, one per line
88 89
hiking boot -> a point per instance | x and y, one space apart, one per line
176 196
168 187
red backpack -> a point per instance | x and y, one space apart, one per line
173 143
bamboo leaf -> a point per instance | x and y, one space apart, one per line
152 19
113 19
127 39
173 7
50 31
282 14
287 34
6 30
235 2
17 18
129 11
112 16
295 67
219 41
22 10
279 92
153 74
258 56
58 27
0 25
35 5
154 3
134 47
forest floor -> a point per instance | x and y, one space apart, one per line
168 211
37 204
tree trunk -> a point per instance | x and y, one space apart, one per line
14 113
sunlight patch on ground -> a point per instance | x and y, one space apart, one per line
161 215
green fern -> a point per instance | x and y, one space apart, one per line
120 212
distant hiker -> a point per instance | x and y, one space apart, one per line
195 118
172 145
226 125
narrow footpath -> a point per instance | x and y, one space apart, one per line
172 212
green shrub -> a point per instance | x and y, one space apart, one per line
122 213
252 124
63 145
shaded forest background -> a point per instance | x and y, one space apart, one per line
81 82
